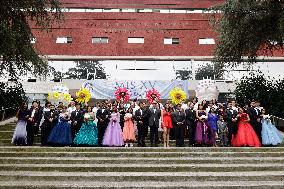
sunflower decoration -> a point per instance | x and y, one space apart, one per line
122 94
83 96
67 98
177 95
153 95
59 94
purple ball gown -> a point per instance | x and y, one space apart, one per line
113 134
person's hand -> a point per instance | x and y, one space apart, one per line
50 119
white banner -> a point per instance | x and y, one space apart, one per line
105 89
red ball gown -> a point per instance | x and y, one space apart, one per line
245 136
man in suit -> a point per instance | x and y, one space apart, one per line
50 119
190 116
77 118
103 115
140 117
254 112
154 120
179 125
230 117
32 122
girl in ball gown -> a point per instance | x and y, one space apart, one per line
269 133
88 133
20 133
203 132
113 135
167 124
245 136
61 133
128 129
212 121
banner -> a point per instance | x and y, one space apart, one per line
105 89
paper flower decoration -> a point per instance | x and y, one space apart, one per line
83 96
122 93
177 95
207 90
59 94
152 95
56 95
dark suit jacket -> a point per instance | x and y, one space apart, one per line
79 117
178 117
154 117
228 116
47 115
138 117
103 115
36 118
190 116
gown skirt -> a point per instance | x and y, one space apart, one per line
270 134
20 133
61 134
87 135
113 134
245 136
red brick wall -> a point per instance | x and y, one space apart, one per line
119 26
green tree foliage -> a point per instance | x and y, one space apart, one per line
209 71
84 67
185 74
247 27
8 105
268 91
16 19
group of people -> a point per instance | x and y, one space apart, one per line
113 123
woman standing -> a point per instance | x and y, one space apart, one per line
212 121
113 135
269 133
166 124
20 133
61 133
88 133
128 129
245 135
203 131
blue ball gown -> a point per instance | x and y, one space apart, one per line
61 133
88 134
270 135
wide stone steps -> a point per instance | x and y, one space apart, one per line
121 167
197 167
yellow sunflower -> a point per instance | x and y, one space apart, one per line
49 96
56 95
177 95
83 96
67 97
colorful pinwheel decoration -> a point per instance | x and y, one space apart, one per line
177 95
59 94
122 94
153 95
83 96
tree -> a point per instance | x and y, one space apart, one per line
185 74
268 91
209 71
17 17
84 67
246 28
8 105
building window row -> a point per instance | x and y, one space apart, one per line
133 40
169 11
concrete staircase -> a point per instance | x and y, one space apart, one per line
74 167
